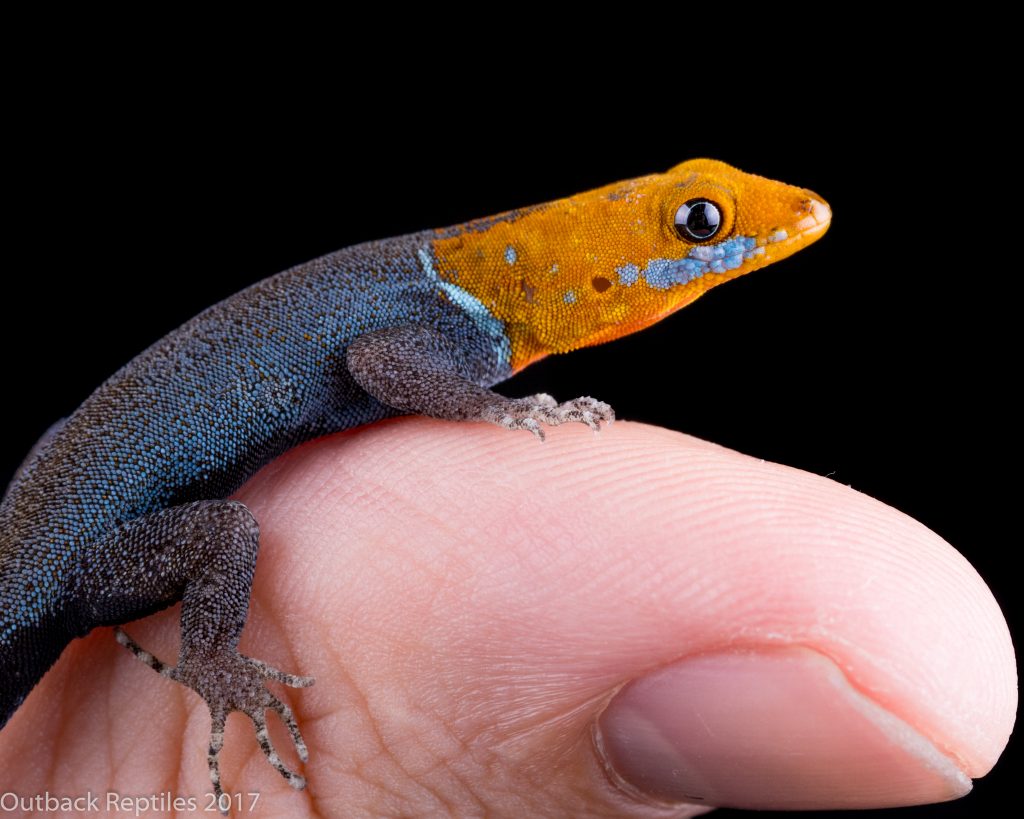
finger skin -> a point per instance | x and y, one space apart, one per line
468 600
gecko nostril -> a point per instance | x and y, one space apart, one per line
814 213
600 283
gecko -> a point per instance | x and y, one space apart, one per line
123 508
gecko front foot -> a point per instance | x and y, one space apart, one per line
229 681
530 412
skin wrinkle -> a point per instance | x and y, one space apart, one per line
519 733
441 761
382 748
474 738
457 808
385 497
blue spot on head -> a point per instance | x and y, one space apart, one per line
510 255
628 274
569 297
728 255
663 273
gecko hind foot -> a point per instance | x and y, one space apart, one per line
229 681
530 412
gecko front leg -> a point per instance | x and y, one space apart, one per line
205 554
418 369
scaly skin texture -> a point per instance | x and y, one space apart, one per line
120 510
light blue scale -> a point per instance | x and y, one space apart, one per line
662 274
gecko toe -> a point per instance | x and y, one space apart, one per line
584 410
217 720
263 738
288 718
141 654
531 425
271 673
530 413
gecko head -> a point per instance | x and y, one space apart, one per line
699 225
600 265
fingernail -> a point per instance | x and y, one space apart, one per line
774 728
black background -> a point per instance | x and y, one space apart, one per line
139 194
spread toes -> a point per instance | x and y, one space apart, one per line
529 413
228 682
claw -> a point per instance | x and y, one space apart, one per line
531 425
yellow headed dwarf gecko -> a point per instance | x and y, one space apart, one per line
121 509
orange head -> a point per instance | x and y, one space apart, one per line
603 264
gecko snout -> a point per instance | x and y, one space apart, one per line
814 214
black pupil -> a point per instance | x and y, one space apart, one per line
699 219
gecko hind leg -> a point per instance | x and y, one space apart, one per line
203 553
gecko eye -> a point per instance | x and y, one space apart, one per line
698 220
